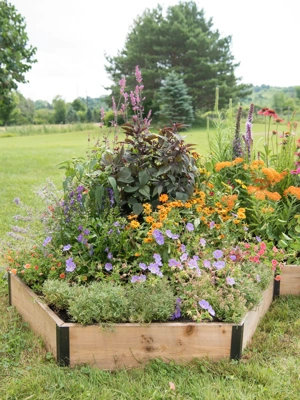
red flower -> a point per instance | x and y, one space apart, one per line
62 276
278 278
270 113
278 120
262 111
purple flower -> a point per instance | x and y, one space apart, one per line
202 242
189 227
206 306
116 223
138 278
67 247
158 236
109 256
175 263
143 266
80 238
86 231
107 249
108 266
192 263
80 189
212 224
184 257
230 281
258 238
206 263
218 254
70 265
219 264
157 258
177 312
16 201
232 257
154 268
110 232
182 248
171 235
80 228
47 240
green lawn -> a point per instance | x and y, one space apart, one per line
269 368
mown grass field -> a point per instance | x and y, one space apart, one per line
269 368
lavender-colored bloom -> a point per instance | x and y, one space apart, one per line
258 278
230 281
158 236
206 306
70 265
184 257
80 227
67 247
138 278
173 262
47 240
212 224
171 235
107 249
108 266
109 256
192 263
218 254
196 258
177 312
189 227
246 228
86 231
154 268
182 248
16 201
206 263
232 257
110 232
80 238
157 258
219 264
79 197
116 223
202 242
143 266
80 189
248 136
258 238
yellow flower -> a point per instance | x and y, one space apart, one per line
134 224
148 240
163 198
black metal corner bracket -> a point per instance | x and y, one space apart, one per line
276 289
63 345
237 342
9 288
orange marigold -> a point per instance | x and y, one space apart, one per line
163 198
222 164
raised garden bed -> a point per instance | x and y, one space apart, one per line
290 281
129 345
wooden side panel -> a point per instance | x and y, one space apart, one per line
129 345
290 280
253 317
41 319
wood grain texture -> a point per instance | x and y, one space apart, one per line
254 316
129 345
40 318
290 280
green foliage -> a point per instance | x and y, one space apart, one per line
175 103
183 41
59 106
16 53
71 115
151 301
60 293
102 302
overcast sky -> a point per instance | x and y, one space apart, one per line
72 37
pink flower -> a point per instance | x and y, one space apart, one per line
275 249
122 84
138 74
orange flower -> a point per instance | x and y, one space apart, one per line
134 224
14 271
27 266
62 276
223 164
278 278
149 219
163 198
148 240
132 216
294 191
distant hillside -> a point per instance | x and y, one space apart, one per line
282 99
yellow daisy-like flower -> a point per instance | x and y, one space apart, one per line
148 240
163 198
134 224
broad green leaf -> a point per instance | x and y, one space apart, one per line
137 208
130 189
143 177
145 191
